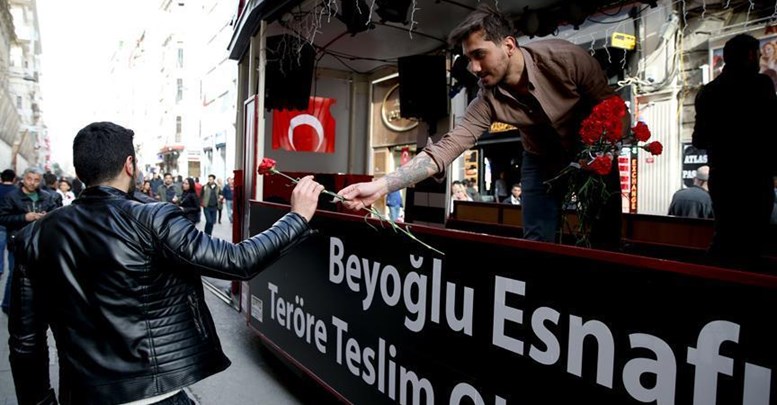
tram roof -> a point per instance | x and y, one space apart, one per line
381 45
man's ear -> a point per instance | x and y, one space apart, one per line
511 44
128 166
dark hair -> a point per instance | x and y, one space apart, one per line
8 175
64 180
49 178
78 186
738 48
485 17
212 176
100 150
191 184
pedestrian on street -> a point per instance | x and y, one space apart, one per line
7 180
394 203
209 199
227 194
190 201
24 204
118 282
694 201
169 191
545 89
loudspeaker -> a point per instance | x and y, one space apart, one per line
289 73
355 14
393 10
423 87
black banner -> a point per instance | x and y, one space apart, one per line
381 320
693 158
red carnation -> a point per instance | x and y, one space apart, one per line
600 165
655 148
590 130
266 167
614 130
611 108
641 132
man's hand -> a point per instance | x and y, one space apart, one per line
33 216
304 198
361 195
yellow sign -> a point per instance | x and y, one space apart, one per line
623 41
501 127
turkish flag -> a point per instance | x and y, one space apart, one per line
311 130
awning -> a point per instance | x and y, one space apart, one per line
248 25
173 147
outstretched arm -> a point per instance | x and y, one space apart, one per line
181 241
362 195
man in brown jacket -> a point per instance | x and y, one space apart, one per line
546 89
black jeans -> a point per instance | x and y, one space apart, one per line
178 399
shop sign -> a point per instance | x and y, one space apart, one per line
623 41
379 319
634 177
693 158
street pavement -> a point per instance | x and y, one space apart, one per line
256 376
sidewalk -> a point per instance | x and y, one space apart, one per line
7 391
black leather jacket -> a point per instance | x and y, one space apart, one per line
119 283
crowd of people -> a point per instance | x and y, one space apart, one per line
30 196
213 196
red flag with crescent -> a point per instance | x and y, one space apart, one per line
311 130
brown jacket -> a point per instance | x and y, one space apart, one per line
565 82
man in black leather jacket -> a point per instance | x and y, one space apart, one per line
118 282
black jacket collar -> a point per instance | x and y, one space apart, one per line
103 192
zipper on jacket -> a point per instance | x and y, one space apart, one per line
198 323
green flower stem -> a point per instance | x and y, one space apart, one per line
396 228
295 181
372 211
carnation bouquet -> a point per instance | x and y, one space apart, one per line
602 137
267 167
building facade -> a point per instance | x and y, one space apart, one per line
218 78
175 88
25 140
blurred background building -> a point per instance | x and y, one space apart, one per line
24 140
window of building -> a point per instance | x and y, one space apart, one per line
180 57
179 91
178 125
19 102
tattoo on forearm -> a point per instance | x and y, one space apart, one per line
417 169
